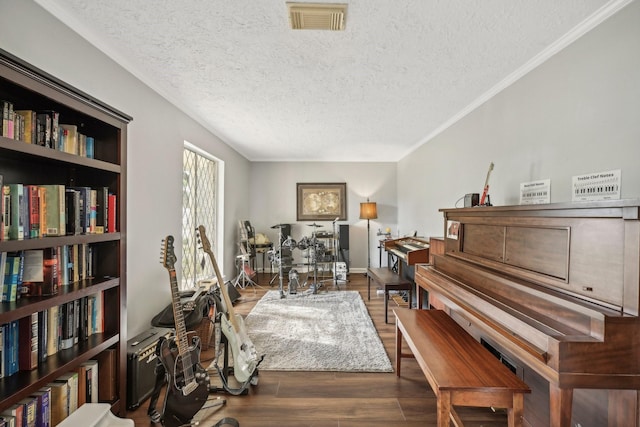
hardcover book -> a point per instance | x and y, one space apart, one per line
107 375
72 211
29 119
17 411
16 220
28 411
58 403
69 138
91 367
2 213
52 330
54 222
33 204
43 410
43 327
102 209
71 381
111 212
10 279
43 130
28 350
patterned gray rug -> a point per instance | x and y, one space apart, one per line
330 331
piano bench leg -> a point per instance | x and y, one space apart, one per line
386 306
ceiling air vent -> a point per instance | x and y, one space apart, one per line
317 16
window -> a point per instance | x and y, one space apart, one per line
199 207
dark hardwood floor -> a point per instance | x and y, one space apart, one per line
334 399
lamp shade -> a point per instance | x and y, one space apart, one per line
368 210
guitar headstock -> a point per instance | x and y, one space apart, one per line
206 245
167 256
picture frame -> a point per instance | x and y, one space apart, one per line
321 201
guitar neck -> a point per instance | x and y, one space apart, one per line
178 315
223 291
206 246
485 191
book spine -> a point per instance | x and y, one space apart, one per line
111 222
16 226
2 213
52 330
43 331
44 129
34 211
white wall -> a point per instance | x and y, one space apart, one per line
156 135
579 112
273 200
576 113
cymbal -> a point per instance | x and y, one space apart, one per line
279 226
314 225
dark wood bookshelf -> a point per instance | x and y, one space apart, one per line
29 88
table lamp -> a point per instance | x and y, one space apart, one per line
368 211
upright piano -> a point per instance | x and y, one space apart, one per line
408 250
553 291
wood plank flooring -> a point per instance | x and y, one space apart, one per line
334 399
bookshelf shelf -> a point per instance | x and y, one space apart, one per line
64 360
28 88
18 150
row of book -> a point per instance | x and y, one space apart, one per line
42 272
44 128
34 211
28 342
92 382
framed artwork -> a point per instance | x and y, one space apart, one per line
321 201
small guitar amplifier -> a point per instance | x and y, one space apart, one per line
141 364
471 199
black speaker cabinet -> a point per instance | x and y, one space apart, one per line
141 364
344 236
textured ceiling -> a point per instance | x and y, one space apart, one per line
400 71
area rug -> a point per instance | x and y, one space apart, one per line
329 331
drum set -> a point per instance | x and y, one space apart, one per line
314 251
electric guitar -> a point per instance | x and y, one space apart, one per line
245 357
486 186
187 380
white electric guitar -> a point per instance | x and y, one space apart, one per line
245 357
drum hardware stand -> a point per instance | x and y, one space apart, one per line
279 260
314 244
243 279
335 255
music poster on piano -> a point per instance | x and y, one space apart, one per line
453 229
535 192
596 186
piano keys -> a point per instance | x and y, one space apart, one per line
554 290
410 250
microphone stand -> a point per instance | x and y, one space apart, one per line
335 255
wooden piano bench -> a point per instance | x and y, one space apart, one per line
389 281
458 368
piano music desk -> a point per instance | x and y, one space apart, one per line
459 370
389 281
